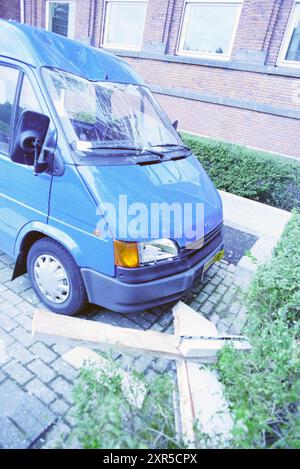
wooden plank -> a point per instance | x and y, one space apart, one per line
197 348
211 410
198 338
201 398
188 322
186 408
98 334
134 389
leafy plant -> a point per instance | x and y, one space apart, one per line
263 386
257 175
106 418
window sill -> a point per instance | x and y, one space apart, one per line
206 57
229 64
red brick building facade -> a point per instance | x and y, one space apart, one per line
10 9
225 69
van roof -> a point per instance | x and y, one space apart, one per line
37 47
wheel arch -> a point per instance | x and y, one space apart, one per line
29 235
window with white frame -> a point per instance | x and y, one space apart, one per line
124 24
208 28
290 49
60 18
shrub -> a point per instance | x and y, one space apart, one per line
263 386
105 417
257 175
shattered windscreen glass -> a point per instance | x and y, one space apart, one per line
101 115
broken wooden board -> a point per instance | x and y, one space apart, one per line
186 408
199 338
201 399
97 334
188 322
134 389
211 409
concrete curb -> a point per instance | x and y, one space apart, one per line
256 218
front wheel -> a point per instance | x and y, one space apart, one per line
56 278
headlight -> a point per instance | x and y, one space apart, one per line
157 250
133 254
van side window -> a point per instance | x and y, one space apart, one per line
8 85
28 100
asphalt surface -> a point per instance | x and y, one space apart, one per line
237 243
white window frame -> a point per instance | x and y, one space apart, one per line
184 25
104 42
281 61
71 17
22 11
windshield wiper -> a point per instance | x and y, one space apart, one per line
136 149
175 145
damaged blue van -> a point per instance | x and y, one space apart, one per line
100 200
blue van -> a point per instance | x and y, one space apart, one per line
100 200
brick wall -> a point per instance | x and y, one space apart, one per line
10 9
254 129
255 87
248 100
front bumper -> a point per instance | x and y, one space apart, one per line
123 297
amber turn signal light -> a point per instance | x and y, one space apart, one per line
126 254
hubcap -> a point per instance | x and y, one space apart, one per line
52 279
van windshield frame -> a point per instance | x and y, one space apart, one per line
104 117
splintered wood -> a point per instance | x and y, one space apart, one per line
200 406
197 346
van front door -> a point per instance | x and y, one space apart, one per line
23 196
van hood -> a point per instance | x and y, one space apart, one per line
174 199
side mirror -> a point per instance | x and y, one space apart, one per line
175 124
29 138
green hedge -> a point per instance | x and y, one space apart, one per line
263 386
270 179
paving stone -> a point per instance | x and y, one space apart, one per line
56 436
20 353
209 288
202 297
11 297
18 372
140 319
43 352
59 407
30 296
9 309
142 363
166 319
62 388
20 285
161 366
62 346
11 437
19 408
38 389
6 323
215 297
25 321
207 308
115 319
41 370
5 274
64 369
214 318
22 336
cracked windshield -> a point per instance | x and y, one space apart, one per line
105 115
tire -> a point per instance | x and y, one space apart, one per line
56 278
